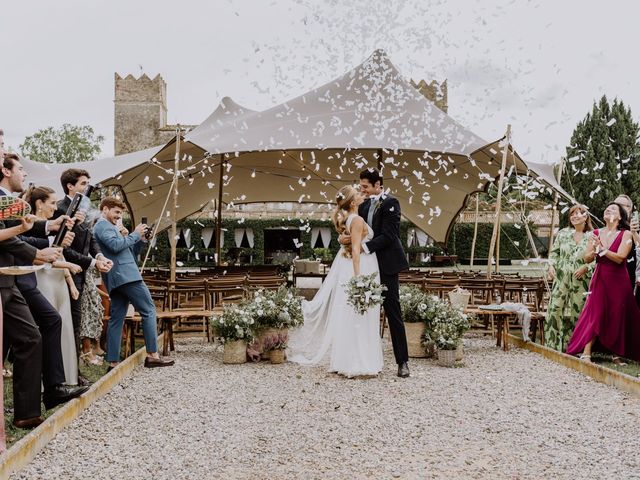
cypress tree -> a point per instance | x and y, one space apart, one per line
603 159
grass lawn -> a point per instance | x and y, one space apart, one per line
13 434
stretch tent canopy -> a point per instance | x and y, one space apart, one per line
307 148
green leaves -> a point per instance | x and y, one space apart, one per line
603 159
66 144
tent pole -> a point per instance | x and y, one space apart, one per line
475 230
556 198
174 208
219 219
496 221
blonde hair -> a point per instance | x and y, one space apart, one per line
345 196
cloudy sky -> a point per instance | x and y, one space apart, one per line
537 64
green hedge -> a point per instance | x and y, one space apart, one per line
513 241
459 243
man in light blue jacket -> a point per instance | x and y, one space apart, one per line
124 283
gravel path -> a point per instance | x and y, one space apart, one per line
503 415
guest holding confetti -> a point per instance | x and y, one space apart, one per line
610 319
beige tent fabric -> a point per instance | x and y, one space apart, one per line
307 148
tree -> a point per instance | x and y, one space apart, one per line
66 144
603 159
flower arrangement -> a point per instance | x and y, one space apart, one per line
448 324
280 308
235 323
364 292
414 304
277 341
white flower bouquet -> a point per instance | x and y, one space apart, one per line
235 323
364 292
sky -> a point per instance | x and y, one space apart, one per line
535 64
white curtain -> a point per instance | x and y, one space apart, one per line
422 237
315 231
207 234
250 236
187 236
411 236
238 234
325 233
221 236
153 241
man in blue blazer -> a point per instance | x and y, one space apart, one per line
124 283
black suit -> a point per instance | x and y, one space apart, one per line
21 332
42 312
82 251
391 260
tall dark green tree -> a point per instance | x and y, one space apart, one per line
66 144
603 159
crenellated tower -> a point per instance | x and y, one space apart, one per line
140 113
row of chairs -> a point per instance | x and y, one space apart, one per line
186 305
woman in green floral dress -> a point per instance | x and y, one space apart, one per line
571 276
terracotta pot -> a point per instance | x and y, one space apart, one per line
235 352
277 356
415 330
446 358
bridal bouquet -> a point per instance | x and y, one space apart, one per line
364 292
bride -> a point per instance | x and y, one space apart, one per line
331 326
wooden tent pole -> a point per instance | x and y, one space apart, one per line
496 221
174 208
219 219
475 229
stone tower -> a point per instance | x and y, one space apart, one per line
434 92
140 113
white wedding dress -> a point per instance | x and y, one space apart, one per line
53 287
332 331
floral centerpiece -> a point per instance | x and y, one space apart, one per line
448 326
235 327
274 312
364 292
279 309
418 309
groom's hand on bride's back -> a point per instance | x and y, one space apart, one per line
344 239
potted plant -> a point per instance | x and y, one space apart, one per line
275 311
234 328
415 306
276 344
449 325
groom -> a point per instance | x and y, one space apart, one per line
382 212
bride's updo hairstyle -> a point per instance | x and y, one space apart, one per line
346 195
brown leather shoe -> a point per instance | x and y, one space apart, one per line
151 362
25 423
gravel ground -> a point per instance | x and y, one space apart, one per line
501 415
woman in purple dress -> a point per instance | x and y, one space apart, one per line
610 319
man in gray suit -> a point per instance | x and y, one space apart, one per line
124 283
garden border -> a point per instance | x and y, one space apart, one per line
25 450
601 374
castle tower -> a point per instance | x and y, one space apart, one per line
435 92
140 113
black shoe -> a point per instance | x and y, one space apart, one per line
61 394
83 381
403 370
